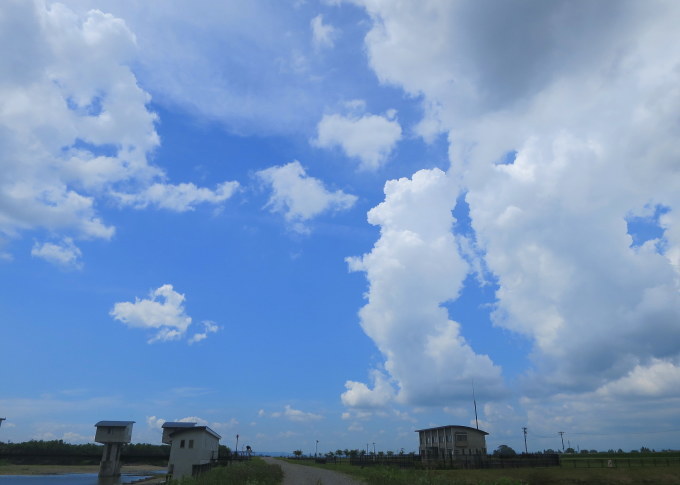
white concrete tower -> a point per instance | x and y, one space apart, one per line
113 435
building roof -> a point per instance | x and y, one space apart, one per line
178 424
186 429
467 428
114 424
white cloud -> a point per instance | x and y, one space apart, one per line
412 270
358 394
179 198
300 197
591 113
296 415
163 312
355 427
65 253
208 328
369 138
154 422
657 379
323 35
262 85
75 129
193 419
217 426
72 96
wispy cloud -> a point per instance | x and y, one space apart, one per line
323 35
64 253
295 415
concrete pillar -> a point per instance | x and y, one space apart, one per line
110 464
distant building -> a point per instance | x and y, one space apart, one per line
113 435
451 442
193 449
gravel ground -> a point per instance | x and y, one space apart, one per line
310 475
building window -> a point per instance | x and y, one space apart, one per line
191 443
461 436
181 444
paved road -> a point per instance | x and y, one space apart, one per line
310 475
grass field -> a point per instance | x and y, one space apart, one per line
667 475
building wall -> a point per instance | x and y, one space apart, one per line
113 434
451 441
189 448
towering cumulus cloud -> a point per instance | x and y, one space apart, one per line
413 269
562 121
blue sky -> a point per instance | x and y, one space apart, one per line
324 220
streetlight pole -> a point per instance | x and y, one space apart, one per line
236 445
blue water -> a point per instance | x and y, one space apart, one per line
68 479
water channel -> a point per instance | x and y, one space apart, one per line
71 479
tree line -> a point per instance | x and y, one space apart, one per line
59 452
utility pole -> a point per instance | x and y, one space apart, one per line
525 440
1 420
474 400
561 433
316 450
236 449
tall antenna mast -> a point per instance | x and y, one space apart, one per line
474 400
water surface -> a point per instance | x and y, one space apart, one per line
70 479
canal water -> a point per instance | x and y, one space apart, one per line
69 479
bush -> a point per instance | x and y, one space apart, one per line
252 472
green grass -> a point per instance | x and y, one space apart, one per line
252 472
510 476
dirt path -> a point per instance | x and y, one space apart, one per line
310 475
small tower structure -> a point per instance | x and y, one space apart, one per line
113 435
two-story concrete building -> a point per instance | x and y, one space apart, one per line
451 442
193 448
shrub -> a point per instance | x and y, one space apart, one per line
252 472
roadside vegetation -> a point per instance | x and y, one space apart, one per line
251 472
651 470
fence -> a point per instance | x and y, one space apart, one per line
459 461
400 461
621 462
